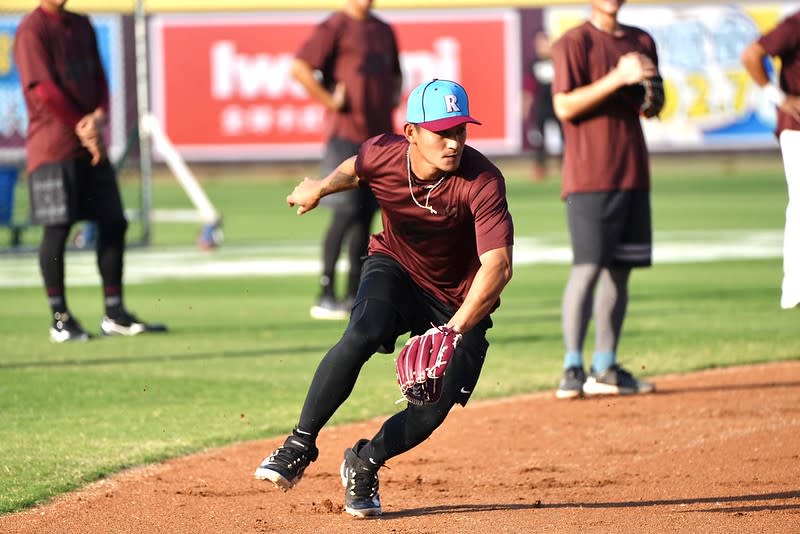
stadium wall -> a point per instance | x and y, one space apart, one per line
220 86
182 6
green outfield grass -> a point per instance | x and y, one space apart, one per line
241 350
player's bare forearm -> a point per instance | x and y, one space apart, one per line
631 68
495 272
304 74
752 59
307 194
342 178
568 106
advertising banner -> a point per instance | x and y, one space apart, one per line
222 90
711 103
13 117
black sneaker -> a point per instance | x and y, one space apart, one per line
571 384
285 467
360 481
331 309
67 328
615 381
127 324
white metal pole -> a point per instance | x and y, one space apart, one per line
143 109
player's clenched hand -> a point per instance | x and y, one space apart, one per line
88 126
634 67
305 196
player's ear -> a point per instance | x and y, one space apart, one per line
410 131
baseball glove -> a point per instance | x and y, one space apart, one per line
422 363
653 98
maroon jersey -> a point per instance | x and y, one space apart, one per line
440 251
362 54
784 42
62 80
604 149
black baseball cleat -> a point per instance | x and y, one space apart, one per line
285 467
67 328
360 481
127 324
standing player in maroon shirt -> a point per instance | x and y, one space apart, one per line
350 65
784 42
598 68
69 175
443 258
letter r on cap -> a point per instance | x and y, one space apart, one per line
452 103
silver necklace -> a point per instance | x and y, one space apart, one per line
430 188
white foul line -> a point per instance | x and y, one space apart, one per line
153 264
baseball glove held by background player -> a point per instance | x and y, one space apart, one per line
653 98
422 363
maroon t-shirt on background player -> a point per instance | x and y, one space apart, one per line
439 251
363 55
59 54
784 42
604 149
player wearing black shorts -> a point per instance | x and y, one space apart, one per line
69 175
606 185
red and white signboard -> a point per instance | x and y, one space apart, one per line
222 90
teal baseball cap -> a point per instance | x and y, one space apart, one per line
438 105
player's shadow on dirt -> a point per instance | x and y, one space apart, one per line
750 505
725 387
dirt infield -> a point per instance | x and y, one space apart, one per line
715 451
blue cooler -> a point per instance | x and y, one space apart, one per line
8 181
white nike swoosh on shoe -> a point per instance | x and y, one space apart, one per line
465 391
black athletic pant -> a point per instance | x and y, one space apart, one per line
110 249
389 304
352 219
89 193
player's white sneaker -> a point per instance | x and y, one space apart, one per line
330 309
615 381
127 324
67 328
